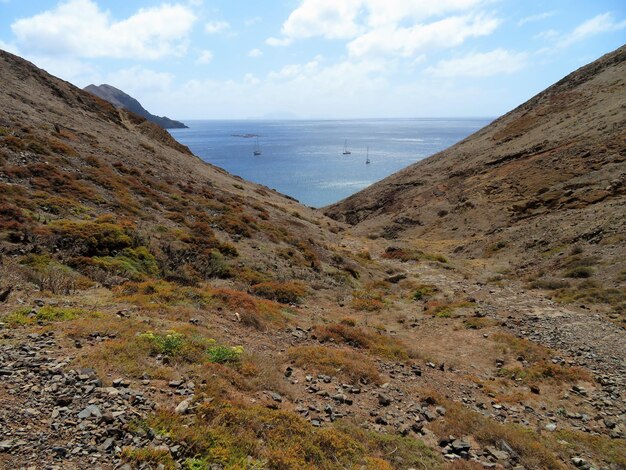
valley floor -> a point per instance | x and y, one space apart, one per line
445 371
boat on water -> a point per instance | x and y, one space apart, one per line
367 156
345 148
257 147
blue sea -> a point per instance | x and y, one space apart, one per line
304 159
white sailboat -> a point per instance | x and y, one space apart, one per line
345 148
367 156
257 148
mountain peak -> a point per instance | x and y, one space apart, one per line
120 99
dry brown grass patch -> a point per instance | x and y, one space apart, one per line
343 362
376 342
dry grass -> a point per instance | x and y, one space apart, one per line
254 312
538 357
476 323
162 294
511 344
445 309
343 362
234 436
229 434
546 371
377 342
534 452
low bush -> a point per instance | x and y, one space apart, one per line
131 263
410 254
580 272
283 292
423 292
367 300
97 238
50 275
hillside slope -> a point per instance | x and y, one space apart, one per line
547 175
119 99
157 312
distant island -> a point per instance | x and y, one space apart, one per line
119 99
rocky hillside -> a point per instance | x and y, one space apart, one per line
548 176
157 312
119 99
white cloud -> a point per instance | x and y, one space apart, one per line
138 80
331 19
603 23
399 27
252 21
214 27
548 34
310 89
294 70
406 41
278 41
79 28
205 57
538 17
251 79
481 64
254 53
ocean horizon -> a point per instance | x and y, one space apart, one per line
304 158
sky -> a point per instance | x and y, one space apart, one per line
315 59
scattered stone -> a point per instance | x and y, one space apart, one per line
5 446
183 406
384 400
91 410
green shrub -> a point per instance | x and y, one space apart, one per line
223 354
91 238
170 344
23 316
132 263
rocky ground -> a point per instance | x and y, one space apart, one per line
60 416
